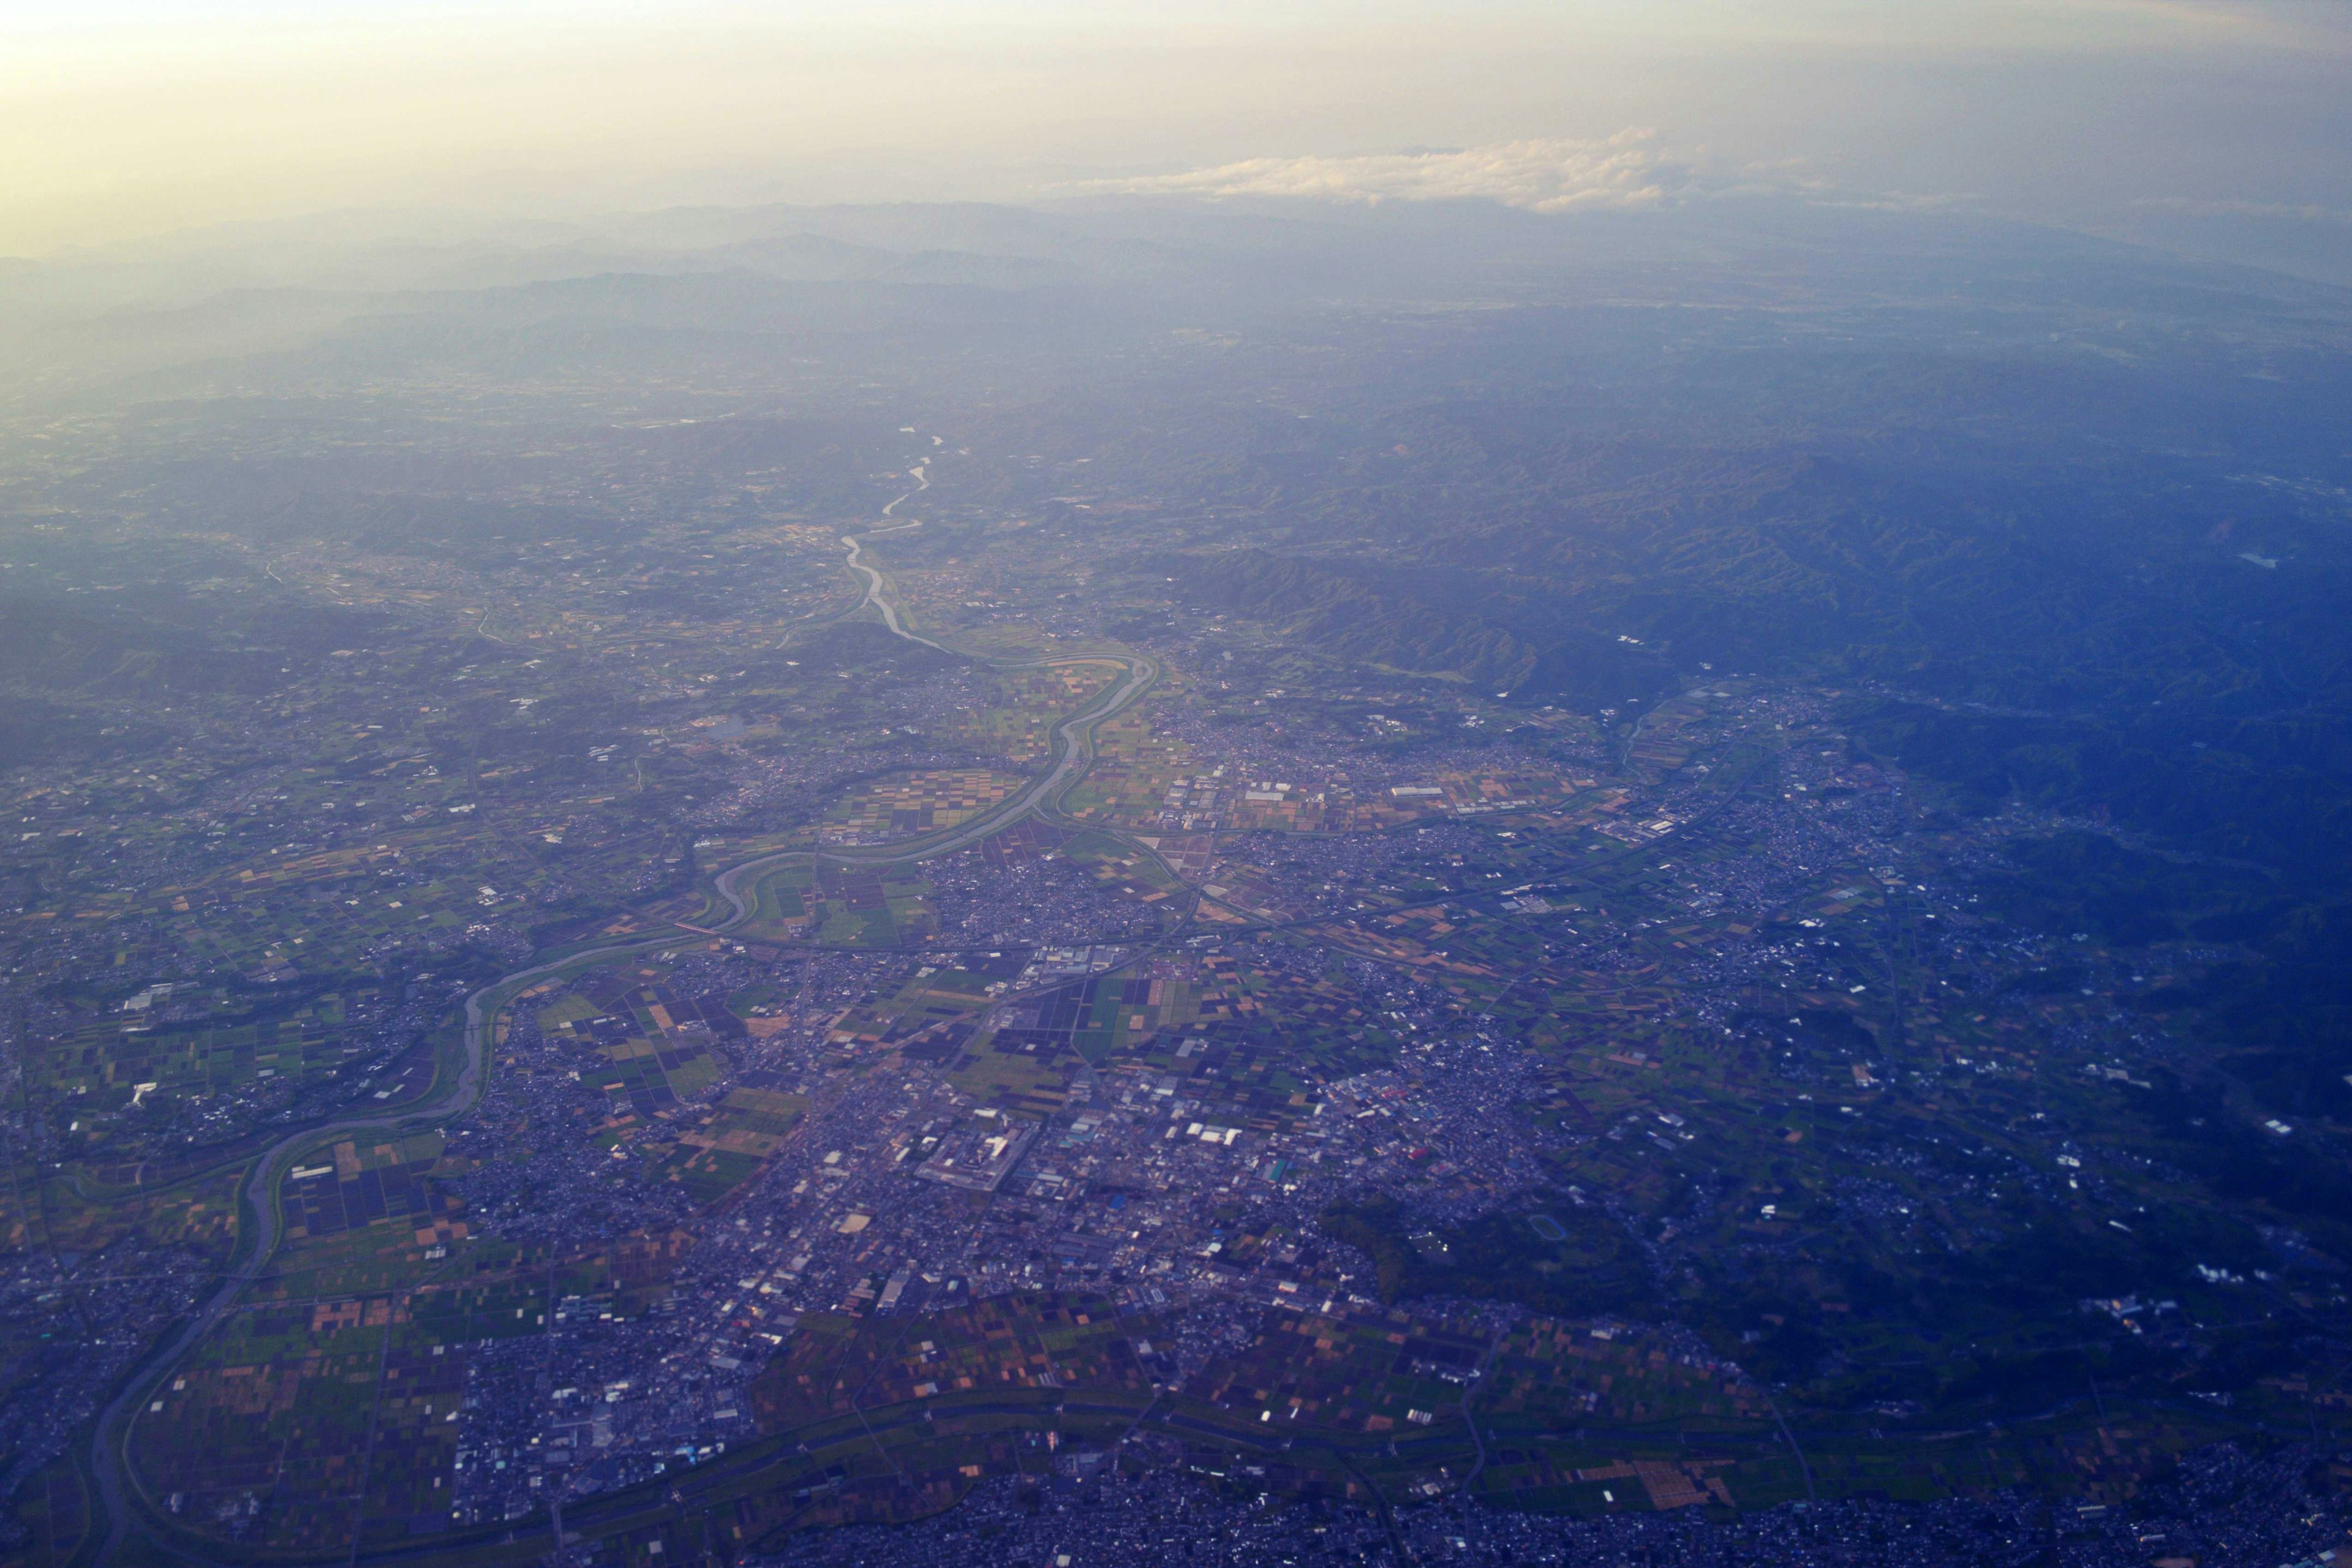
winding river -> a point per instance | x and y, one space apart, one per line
117 1488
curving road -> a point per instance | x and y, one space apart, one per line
110 1469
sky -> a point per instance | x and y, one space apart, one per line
2225 126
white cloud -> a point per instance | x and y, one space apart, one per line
1629 170
2283 211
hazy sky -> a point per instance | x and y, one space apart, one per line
121 118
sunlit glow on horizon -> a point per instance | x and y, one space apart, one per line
124 118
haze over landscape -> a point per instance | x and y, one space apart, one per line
1018 784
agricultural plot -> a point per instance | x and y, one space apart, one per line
1282 1023
1554 1373
916 803
1096 1017
1375 1373
329 1422
844 906
326 1406
168 1042
1024 841
1190 854
91 1216
1134 765
364 1217
1028 703
837 1365
929 1001
783 906
1233 882
935 1014
1588 1416
1018 1081
645 1047
894 1418
348 1188
1121 869
734 1143
281 918
719 850
1237 1079
1444 792
1276 806
264 1435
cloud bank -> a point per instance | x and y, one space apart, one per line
1627 171
2284 212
